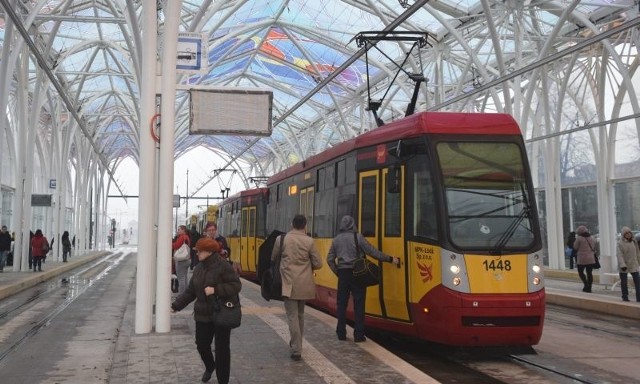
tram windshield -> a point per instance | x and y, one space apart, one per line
487 196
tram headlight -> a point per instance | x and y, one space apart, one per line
536 268
454 269
456 281
536 281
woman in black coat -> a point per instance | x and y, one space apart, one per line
212 276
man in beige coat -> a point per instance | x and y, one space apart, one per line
299 258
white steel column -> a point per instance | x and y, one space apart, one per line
22 221
165 183
147 179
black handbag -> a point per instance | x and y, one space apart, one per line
226 312
595 265
365 272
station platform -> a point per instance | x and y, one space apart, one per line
260 352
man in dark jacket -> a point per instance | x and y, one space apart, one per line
5 246
345 249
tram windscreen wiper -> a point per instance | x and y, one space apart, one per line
508 233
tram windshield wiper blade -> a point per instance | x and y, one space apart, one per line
508 233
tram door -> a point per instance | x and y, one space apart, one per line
248 239
381 222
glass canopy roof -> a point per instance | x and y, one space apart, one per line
305 52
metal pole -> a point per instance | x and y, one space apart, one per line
146 262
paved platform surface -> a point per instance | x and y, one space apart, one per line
260 352
259 348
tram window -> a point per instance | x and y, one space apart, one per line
392 214
341 178
321 180
368 208
243 228
424 215
330 177
323 217
252 223
486 194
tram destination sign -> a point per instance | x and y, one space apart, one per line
41 200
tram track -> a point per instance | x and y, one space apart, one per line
531 364
574 377
74 286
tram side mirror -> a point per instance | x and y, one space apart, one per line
394 179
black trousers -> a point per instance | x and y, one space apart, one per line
588 279
346 286
205 334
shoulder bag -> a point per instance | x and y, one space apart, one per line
595 265
183 253
226 312
365 272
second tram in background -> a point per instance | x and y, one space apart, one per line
450 194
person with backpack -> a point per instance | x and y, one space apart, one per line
39 249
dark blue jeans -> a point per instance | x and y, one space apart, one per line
624 286
346 286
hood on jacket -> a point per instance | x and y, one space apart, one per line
347 224
581 230
625 230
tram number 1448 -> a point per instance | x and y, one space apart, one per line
494 265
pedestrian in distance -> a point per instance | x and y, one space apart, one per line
211 231
66 246
5 246
194 236
628 255
573 254
182 266
212 276
585 246
341 257
39 249
298 259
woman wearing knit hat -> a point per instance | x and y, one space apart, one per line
212 276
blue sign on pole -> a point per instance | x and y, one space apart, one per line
190 57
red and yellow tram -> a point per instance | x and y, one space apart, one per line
450 194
